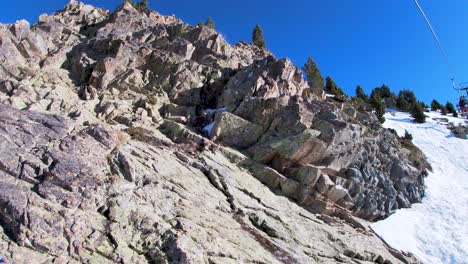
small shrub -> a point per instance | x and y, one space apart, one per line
393 131
210 23
143 6
408 135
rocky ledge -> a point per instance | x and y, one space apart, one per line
133 137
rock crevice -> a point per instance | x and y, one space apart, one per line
133 137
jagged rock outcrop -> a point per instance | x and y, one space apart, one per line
163 143
72 193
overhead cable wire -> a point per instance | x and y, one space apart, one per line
447 61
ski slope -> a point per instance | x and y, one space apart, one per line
436 230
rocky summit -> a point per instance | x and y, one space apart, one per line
133 137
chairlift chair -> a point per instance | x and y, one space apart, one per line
463 102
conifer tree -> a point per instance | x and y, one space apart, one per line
417 113
450 108
361 94
257 37
332 88
210 23
376 103
435 105
314 77
443 110
143 6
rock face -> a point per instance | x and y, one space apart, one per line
133 137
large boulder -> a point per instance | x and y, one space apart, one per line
234 130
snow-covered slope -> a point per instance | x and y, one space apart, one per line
437 229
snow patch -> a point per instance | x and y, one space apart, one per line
436 230
213 111
209 128
339 187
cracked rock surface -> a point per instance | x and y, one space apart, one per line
74 194
133 137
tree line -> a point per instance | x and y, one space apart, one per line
379 99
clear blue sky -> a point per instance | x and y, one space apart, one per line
364 42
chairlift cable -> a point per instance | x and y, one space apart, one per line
447 61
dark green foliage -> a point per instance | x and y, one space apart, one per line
210 23
382 91
257 37
360 105
393 131
388 98
406 99
361 94
332 88
142 6
199 24
417 113
443 110
455 114
450 108
376 103
408 95
408 135
314 77
435 105
402 104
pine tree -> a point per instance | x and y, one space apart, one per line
417 113
376 103
210 23
450 108
332 88
383 91
257 37
143 6
402 104
443 110
361 94
314 77
435 105
424 105
388 98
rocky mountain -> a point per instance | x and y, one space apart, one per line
133 137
